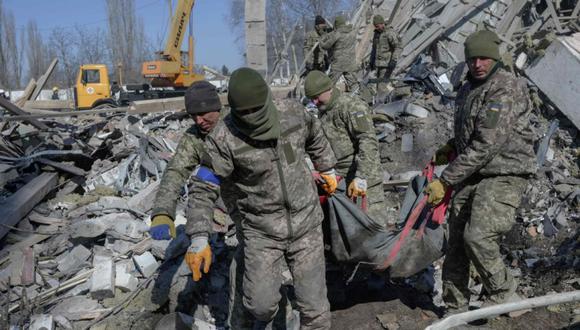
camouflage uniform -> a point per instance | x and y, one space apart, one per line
348 125
279 209
494 144
317 59
384 54
340 44
189 154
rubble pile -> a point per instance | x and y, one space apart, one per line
74 246
75 193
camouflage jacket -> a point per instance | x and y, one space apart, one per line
348 125
386 48
317 57
340 44
492 132
277 196
189 154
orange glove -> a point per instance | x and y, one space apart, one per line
436 190
329 185
357 188
198 252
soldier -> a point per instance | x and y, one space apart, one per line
260 150
203 104
315 59
493 142
348 125
385 52
340 44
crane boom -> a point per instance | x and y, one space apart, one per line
169 70
178 27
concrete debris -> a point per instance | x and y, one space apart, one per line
75 187
62 322
77 308
72 261
41 322
124 278
146 264
103 277
557 74
407 143
118 225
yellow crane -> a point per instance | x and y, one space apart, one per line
170 69
174 68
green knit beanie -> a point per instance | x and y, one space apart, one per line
378 19
339 21
482 43
247 89
316 83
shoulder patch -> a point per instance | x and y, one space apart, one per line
361 121
492 114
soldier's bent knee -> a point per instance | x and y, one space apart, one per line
262 308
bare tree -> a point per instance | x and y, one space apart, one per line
36 51
91 45
127 42
63 45
10 55
3 56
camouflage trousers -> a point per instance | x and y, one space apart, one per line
351 84
481 212
384 75
263 259
239 317
350 79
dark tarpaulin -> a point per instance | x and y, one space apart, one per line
355 237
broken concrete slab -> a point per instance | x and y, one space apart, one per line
41 322
73 260
159 247
146 264
557 75
407 142
103 277
73 308
143 201
118 225
124 280
62 322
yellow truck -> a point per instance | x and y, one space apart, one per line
93 90
169 75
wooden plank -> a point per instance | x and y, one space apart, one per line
42 81
27 93
554 16
53 114
49 104
43 220
17 206
576 10
12 108
63 167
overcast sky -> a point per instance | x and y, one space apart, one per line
214 40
